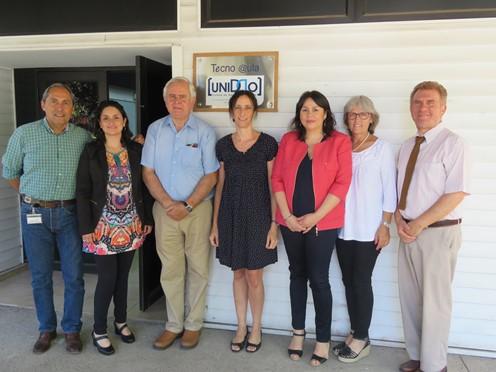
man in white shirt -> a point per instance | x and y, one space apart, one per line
432 182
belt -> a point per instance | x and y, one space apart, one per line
47 203
442 223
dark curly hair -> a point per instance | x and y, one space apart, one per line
100 136
321 101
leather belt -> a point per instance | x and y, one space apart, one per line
442 223
47 203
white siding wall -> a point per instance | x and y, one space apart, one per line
10 240
383 61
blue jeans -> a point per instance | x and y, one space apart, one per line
58 228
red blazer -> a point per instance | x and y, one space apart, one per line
331 170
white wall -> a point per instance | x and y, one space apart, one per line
383 61
10 240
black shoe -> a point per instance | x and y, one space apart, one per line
297 352
337 348
319 359
349 356
236 347
109 350
255 346
128 339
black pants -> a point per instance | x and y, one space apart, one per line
357 261
113 273
309 259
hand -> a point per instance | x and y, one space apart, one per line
139 139
415 228
176 210
382 237
293 224
403 231
272 237
214 236
308 221
88 238
147 230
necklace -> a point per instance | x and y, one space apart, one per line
361 143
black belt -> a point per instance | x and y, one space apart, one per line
442 223
47 203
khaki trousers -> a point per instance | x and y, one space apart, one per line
425 273
184 250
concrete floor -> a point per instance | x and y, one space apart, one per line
18 327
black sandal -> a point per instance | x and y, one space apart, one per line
349 356
255 346
239 345
297 352
319 359
338 348
128 339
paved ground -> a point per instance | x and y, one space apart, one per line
18 334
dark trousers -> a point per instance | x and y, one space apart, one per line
309 259
113 273
357 261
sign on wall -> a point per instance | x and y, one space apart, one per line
218 75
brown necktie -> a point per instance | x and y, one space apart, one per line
409 171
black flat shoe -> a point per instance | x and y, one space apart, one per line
255 346
128 339
297 352
236 347
109 350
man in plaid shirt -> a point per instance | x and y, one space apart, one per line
40 162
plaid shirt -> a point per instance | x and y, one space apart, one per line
45 162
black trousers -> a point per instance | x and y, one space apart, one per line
113 274
357 261
309 259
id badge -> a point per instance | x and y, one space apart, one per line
33 218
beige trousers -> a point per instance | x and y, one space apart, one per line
425 273
184 250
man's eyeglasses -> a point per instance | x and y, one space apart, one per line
180 98
361 115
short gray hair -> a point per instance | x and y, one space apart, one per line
58 85
180 79
363 103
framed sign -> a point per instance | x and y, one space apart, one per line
217 76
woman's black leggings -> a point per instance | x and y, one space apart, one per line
113 274
309 259
357 261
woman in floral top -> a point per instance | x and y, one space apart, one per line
114 214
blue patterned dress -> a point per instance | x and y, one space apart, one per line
119 228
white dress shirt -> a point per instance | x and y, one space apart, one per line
442 167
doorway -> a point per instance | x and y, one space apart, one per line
139 89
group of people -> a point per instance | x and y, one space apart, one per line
320 187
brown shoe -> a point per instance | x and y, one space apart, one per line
190 339
166 339
410 366
73 343
43 342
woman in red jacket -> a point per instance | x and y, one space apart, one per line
310 179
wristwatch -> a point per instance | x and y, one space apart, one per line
188 207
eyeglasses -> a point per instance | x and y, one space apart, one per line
361 115
180 98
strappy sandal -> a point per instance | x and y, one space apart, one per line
297 352
319 359
337 348
252 345
236 347
349 356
